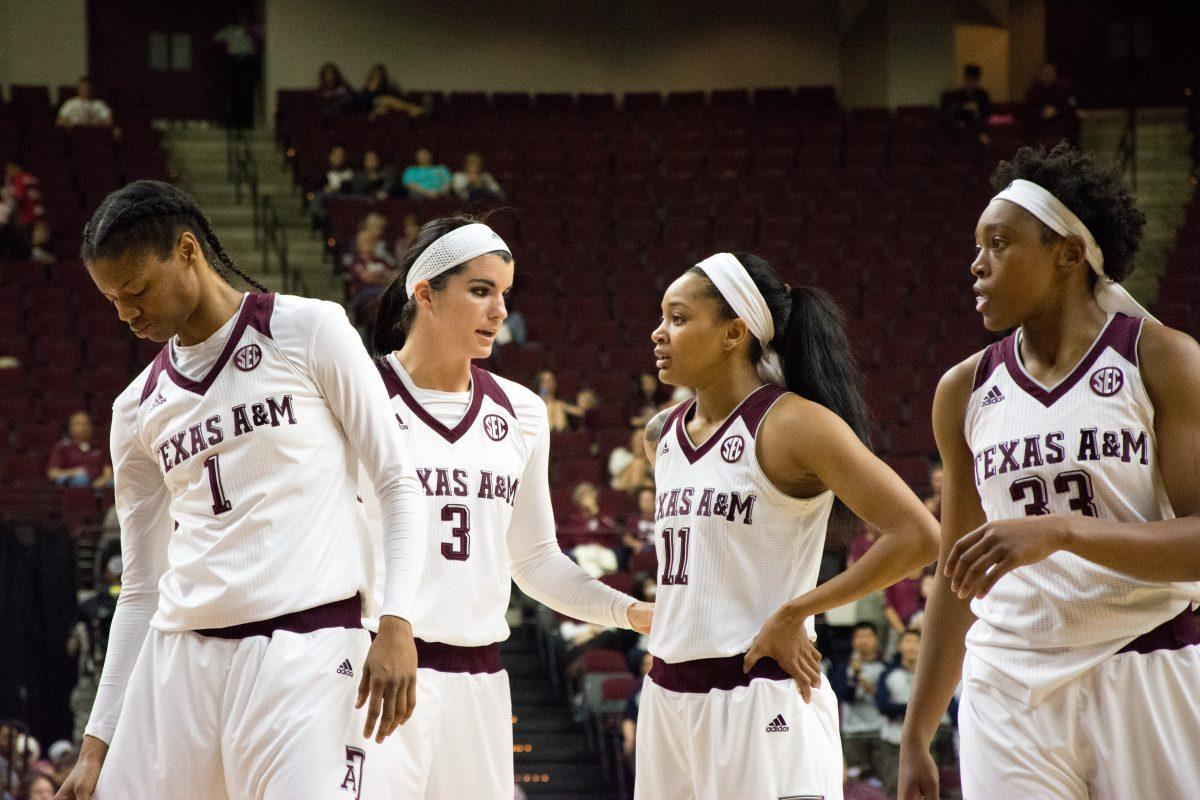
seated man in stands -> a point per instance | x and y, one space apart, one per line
473 185
375 179
84 109
967 108
426 180
76 460
590 536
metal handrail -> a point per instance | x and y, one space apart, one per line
269 236
1127 147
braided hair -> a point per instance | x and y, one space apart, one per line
152 215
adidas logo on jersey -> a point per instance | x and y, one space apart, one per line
993 396
777 725
346 669
401 422
665 449
158 401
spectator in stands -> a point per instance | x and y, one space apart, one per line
88 642
926 589
513 330
1050 96
586 401
240 41
639 529
63 756
39 786
903 601
425 180
375 179
628 467
331 85
41 245
384 97
629 723
591 536
559 411
854 681
339 176
410 230
372 267
967 108
77 460
472 185
891 696
84 109
20 208
650 398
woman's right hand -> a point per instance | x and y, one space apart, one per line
918 774
81 783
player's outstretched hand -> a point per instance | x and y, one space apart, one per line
641 616
918 774
784 638
991 551
81 783
389 680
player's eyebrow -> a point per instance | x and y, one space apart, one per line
485 281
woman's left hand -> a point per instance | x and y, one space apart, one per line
994 549
784 638
641 616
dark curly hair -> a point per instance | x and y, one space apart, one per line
1097 195
150 215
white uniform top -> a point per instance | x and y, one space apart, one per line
732 548
1084 446
483 473
236 490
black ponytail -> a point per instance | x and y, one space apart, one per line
150 215
396 310
810 337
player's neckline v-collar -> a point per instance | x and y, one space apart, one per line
255 312
1048 395
449 434
694 453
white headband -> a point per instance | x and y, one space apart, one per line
1111 296
454 248
738 289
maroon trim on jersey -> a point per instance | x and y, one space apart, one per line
442 657
751 404
255 313
491 388
705 675
989 362
1174 634
159 366
338 614
1121 334
396 388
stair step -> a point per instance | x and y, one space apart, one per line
542 720
549 748
562 778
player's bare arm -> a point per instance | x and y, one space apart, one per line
947 617
1164 550
830 456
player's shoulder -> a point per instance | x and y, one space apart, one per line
1168 360
141 389
290 309
521 400
658 423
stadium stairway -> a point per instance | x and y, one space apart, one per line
1163 180
199 154
551 754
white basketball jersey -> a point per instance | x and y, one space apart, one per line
1085 446
470 475
732 548
262 484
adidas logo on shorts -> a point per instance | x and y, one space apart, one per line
993 396
346 669
777 725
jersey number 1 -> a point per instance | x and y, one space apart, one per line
220 503
677 576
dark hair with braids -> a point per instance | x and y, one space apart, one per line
810 337
397 311
150 215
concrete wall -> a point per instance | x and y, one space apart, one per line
526 45
42 41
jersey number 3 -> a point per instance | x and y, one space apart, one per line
1076 484
460 517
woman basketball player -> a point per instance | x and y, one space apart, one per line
482 447
237 637
1069 518
741 523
